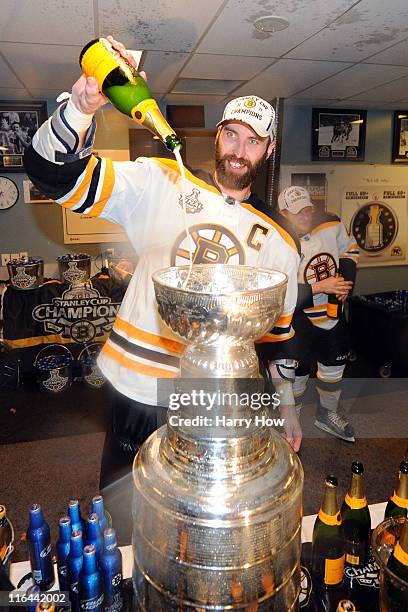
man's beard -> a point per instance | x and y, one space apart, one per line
229 179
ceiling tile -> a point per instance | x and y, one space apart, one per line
47 21
162 68
359 104
208 66
396 90
191 99
353 80
286 77
11 93
295 101
7 77
234 32
369 27
163 25
55 66
396 55
205 86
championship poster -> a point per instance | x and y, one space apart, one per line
377 217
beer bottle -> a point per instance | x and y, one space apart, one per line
62 547
398 564
327 543
94 534
74 564
334 307
90 586
39 544
111 568
398 502
356 519
74 513
99 509
126 89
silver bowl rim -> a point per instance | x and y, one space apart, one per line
156 279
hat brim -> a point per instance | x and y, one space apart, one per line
260 132
296 208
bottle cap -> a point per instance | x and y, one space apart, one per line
357 467
332 480
89 550
404 467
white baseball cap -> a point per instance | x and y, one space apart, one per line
253 111
294 199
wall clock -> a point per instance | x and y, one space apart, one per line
8 193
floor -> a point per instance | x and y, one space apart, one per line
51 445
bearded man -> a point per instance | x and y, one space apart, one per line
228 225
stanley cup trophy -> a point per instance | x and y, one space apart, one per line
217 507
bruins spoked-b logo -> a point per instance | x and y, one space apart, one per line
211 244
374 227
319 268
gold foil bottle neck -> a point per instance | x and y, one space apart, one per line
330 504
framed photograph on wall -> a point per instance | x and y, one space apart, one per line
32 195
338 134
19 120
400 138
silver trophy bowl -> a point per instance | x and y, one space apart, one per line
217 504
221 310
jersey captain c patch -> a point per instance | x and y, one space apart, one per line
319 268
213 244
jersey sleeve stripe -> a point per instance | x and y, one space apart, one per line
147 337
144 353
277 337
90 196
136 366
284 320
81 186
106 192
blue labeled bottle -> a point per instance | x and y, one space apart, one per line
93 534
99 509
74 513
111 568
90 585
74 565
63 546
39 545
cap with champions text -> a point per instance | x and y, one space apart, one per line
253 111
294 199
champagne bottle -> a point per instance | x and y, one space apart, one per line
356 519
398 564
328 545
126 89
398 502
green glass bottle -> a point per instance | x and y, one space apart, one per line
327 543
398 502
126 89
397 597
356 519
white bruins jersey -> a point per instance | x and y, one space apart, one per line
145 198
323 250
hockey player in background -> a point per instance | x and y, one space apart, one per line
326 276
